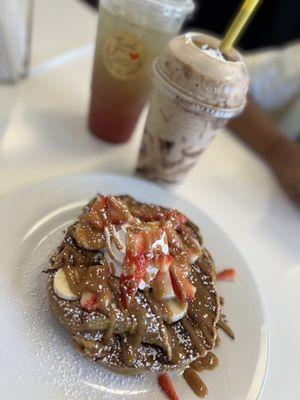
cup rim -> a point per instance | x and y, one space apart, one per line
184 6
190 35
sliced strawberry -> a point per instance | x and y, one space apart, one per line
134 269
177 219
174 240
182 286
96 212
162 286
96 220
177 286
154 234
227 275
128 266
136 244
167 387
163 262
88 301
100 203
134 266
140 269
118 210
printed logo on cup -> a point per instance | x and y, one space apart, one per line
124 56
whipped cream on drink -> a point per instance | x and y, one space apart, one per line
214 53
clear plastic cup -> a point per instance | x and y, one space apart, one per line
131 33
195 91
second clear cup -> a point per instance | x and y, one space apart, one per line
131 33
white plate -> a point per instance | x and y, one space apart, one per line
36 355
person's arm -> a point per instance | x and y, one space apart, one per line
264 137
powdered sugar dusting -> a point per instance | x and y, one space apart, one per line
48 352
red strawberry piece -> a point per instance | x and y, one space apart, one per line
118 210
134 269
88 301
96 220
163 262
174 240
100 204
177 286
140 269
134 55
134 266
177 219
154 234
162 286
96 212
136 244
183 288
167 387
227 275
128 266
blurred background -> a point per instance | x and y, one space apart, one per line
276 23
44 133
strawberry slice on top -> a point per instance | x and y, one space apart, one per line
183 287
133 270
118 211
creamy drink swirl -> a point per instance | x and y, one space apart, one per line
196 90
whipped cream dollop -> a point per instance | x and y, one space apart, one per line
214 53
115 255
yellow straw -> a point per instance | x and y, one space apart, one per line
238 24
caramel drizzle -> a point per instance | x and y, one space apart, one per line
200 323
135 323
195 382
209 363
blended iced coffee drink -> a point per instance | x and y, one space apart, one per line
196 90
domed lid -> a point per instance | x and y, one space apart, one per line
170 7
194 67
167 7
158 15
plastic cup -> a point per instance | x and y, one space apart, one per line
195 91
131 33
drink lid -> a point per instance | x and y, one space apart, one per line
168 6
192 71
172 8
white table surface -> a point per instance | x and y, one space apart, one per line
43 134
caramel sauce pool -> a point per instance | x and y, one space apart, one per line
195 382
209 363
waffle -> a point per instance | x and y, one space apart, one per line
162 346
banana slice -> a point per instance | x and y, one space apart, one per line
176 310
61 286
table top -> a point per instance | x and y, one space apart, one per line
43 134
